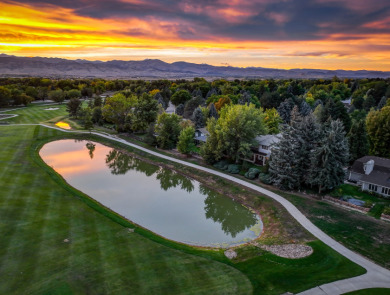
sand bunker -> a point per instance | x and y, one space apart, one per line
51 109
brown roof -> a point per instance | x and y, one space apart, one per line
380 164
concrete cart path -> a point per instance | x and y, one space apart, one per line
376 276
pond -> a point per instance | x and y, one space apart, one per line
159 199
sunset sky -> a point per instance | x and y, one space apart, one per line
327 34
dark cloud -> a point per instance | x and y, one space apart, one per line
253 20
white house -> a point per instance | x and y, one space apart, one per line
372 173
262 151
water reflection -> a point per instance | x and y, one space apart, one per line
230 215
159 199
91 148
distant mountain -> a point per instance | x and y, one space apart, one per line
156 69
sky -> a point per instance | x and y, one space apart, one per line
320 34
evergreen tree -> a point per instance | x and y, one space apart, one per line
213 111
382 102
180 109
358 141
329 158
304 109
285 109
198 118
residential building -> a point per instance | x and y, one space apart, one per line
262 150
372 173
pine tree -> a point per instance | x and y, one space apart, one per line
329 158
284 166
382 102
304 109
213 111
358 140
285 109
198 118
180 109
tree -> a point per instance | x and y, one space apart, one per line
191 105
382 102
145 112
212 111
73 106
88 124
168 130
186 143
73 93
358 141
272 120
329 158
378 130
180 109
117 108
222 101
181 96
289 162
234 133
97 117
5 96
198 118
285 109
57 95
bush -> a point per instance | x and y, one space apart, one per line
233 169
386 211
222 165
252 173
368 204
265 178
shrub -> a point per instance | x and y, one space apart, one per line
233 169
252 173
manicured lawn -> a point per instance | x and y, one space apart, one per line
34 114
38 212
373 291
358 232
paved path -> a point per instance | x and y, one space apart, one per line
376 276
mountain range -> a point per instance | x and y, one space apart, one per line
13 66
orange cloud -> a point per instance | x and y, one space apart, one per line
54 31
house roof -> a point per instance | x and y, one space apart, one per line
377 177
268 139
201 138
204 131
380 164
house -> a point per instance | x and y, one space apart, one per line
262 150
171 109
372 173
201 135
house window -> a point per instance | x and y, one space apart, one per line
386 191
372 187
265 147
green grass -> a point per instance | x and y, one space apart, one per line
102 257
34 114
38 210
357 231
357 193
373 291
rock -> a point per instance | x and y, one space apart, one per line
230 254
131 230
292 251
66 241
